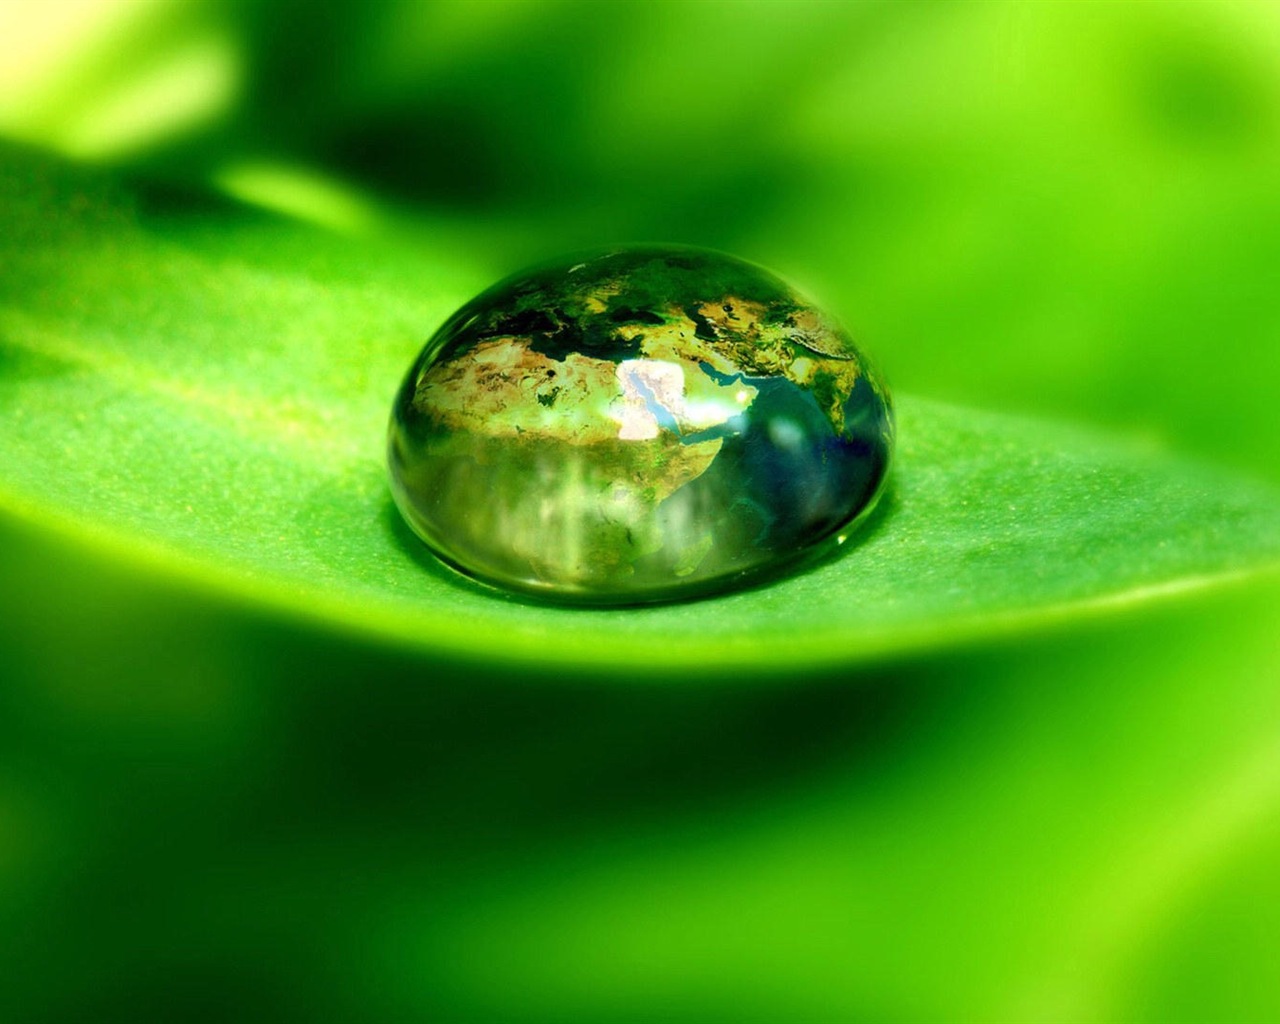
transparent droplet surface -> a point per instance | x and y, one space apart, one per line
637 425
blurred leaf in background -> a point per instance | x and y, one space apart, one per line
215 806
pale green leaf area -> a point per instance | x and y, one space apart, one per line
205 387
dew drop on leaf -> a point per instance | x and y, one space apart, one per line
637 425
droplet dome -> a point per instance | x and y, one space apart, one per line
637 425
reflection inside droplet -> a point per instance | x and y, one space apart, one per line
638 425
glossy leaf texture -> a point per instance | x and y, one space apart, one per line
205 387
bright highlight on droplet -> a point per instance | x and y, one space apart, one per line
640 425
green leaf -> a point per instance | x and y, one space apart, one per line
202 387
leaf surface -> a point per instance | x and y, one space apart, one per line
204 388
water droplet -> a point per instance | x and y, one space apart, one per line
637 425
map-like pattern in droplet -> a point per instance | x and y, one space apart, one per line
637 425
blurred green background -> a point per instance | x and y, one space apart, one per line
210 812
